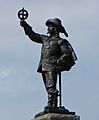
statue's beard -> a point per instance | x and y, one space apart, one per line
49 33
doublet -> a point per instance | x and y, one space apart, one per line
50 52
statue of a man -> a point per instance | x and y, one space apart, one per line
57 55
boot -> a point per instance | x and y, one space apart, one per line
55 101
50 102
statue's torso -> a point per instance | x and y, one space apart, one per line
50 49
50 53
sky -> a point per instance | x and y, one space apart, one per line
22 92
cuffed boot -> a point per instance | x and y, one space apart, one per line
50 102
55 101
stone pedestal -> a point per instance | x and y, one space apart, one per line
57 116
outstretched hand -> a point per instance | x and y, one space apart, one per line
22 23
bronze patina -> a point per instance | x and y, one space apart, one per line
57 55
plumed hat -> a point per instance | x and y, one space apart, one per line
57 22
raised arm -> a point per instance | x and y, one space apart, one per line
30 33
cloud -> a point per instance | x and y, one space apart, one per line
16 79
5 72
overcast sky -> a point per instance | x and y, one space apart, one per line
22 93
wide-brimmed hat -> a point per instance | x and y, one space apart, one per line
57 22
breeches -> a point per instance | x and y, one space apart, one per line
50 81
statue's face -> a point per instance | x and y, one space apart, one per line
51 29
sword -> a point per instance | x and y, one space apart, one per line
60 92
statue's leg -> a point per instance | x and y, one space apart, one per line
55 100
44 78
50 100
51 81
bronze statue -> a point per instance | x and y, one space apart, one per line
57 55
